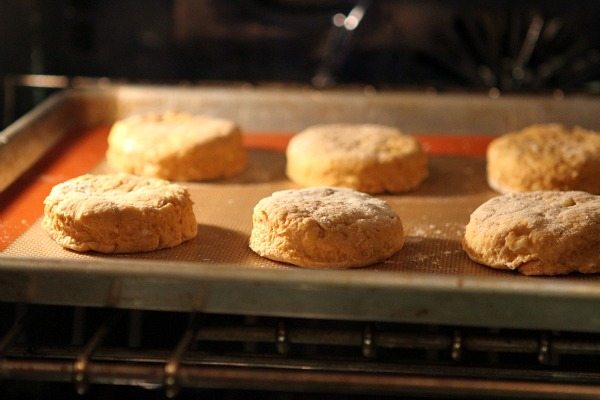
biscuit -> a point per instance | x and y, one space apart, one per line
325 228
545 157
176 146
537 233
367 158
118 213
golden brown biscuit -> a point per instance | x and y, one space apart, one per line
368 158
176 146
545 157
325 228
118 213
537 233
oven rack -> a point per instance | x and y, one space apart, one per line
169 351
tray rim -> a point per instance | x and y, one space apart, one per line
527 303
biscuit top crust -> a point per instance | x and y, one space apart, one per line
549 228
330 207
551 210
545 157
121 190
170 130
361 141
554 143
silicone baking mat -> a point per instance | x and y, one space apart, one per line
434 215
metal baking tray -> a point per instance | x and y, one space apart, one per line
474 299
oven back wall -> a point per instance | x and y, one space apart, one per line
511 45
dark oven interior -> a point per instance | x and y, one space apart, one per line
511 46
490 46
111 353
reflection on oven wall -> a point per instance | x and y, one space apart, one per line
511 45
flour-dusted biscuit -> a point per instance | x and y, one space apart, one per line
325 228
368 158
176 146
545 157
537 233
118 213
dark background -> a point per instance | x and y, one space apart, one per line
441 44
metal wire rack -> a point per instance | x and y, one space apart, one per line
170 351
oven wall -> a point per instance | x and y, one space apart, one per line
513 46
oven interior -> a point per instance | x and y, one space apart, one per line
436 46
473 45
158 353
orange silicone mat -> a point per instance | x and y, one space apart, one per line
434 215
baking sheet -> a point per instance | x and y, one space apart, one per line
429 281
